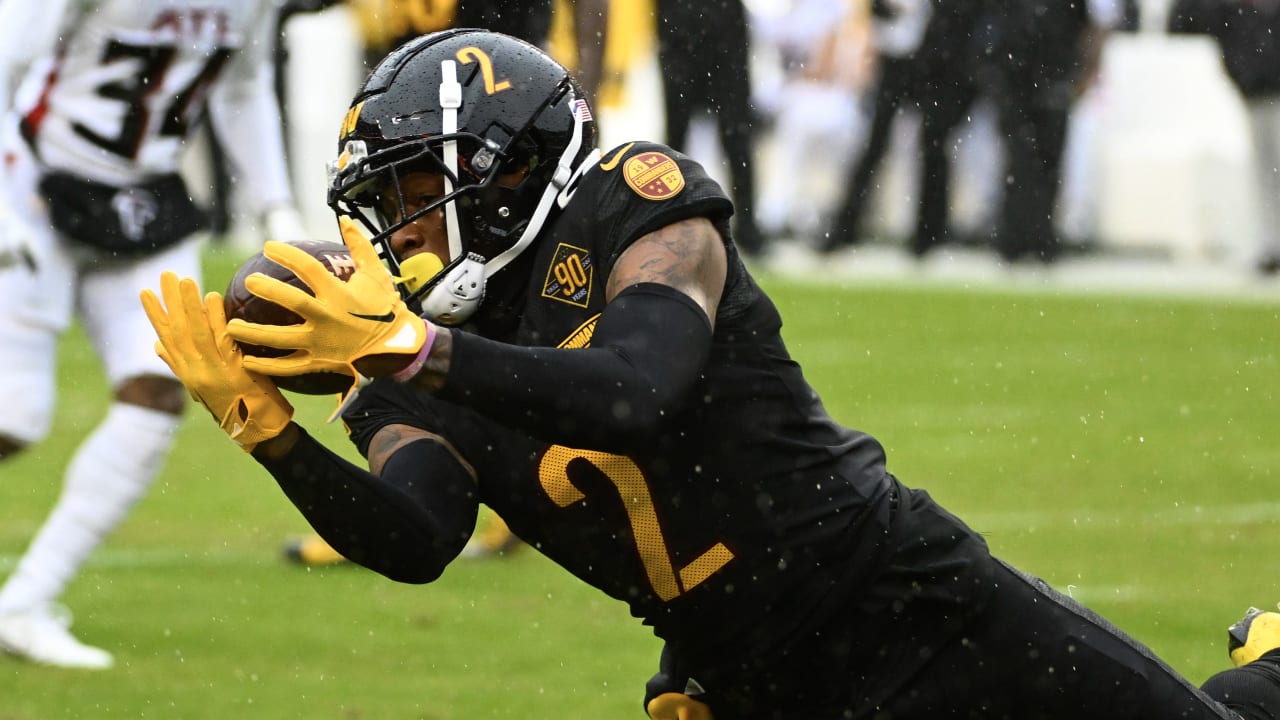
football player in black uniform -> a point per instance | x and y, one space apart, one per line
594 363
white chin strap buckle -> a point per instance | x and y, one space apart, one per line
456 297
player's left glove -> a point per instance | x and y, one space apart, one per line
678 706
193 341
343 324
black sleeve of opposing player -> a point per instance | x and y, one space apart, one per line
407 524
648 349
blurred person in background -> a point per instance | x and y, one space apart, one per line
1046 54
385 24
897 33
1248 33
590 355
947 68
220 202
91 208
824 52
1078 205
704 57
589 21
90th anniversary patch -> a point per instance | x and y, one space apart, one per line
569 277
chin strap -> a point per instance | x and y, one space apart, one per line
456 297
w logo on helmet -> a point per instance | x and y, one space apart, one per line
349 121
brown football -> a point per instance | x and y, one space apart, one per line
240 303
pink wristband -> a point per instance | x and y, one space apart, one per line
414 367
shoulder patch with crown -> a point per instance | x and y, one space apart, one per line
653 176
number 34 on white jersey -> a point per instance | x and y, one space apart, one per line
120 83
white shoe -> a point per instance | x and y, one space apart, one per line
40 635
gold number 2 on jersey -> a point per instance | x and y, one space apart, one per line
629 481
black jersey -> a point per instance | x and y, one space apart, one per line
753 515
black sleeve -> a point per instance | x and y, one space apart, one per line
407 524
648 349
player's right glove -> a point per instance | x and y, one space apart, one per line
193 341
344 322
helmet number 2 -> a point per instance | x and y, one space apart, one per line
470 54
627 478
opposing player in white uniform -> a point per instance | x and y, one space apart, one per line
91 211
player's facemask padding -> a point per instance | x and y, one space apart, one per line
498 195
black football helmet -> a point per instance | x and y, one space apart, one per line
473 106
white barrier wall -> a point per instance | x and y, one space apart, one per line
1173 150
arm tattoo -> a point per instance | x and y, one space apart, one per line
688 255
391 438
385 442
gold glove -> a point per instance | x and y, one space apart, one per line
343 323
193 341
678 706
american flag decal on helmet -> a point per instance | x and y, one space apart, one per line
581 110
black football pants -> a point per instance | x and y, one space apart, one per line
1036 654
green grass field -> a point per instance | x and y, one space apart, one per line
1127 449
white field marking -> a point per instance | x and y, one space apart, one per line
979 270
1176 516
1087 594
153 557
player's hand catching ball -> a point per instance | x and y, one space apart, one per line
360 325
193 341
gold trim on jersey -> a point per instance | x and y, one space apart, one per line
581 337
612 162
569 277
653 176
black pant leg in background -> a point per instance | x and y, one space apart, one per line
1035 136
703 51
941 112
892 86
